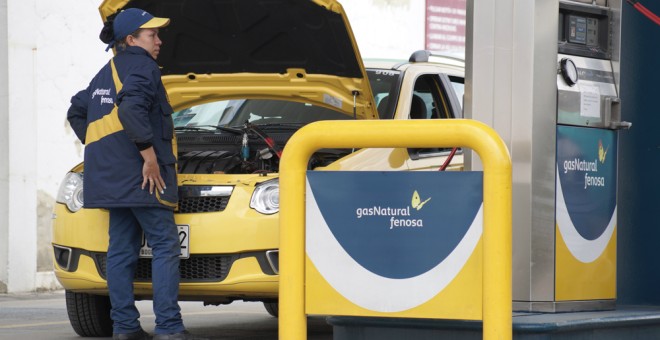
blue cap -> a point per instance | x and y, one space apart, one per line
130 20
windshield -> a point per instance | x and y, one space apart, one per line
385 84
235 113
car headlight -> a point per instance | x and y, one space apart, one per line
266 197
71 191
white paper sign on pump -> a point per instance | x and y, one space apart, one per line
589 101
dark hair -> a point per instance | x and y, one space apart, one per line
107 34
121 44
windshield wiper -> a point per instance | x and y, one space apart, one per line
191 128
205 128
225 128
281 125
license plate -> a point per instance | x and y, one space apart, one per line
184 238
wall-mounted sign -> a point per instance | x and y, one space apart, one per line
445 25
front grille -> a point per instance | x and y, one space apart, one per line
194 269
202 204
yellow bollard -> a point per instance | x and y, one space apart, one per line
497 261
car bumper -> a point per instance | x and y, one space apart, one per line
241 243
245 280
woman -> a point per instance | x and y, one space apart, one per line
124 119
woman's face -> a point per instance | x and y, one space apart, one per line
147 39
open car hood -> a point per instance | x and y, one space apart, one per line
302 50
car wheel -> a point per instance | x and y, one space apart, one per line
89 314
272 308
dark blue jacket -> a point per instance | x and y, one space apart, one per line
115 126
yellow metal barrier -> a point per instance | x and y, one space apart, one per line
497 299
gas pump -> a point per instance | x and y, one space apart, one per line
561 126
588 118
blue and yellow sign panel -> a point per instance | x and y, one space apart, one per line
395 244
585 214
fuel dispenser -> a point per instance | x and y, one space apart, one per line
573 268
588 118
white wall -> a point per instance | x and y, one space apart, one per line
4 150
52 51
22 145
69 53
387 28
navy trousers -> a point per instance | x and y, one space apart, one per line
126 227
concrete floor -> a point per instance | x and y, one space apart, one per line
43 316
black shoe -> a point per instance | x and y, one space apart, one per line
177 336
138 335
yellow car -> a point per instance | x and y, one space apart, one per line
243 76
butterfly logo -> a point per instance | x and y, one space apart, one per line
417 201
602 153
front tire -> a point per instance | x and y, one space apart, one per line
273 308
89 314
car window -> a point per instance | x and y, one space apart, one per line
430 101
436 102
385 85
458 84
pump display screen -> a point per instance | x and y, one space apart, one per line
582 30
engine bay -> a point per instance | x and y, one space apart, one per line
247 153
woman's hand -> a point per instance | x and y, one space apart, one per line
151 171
